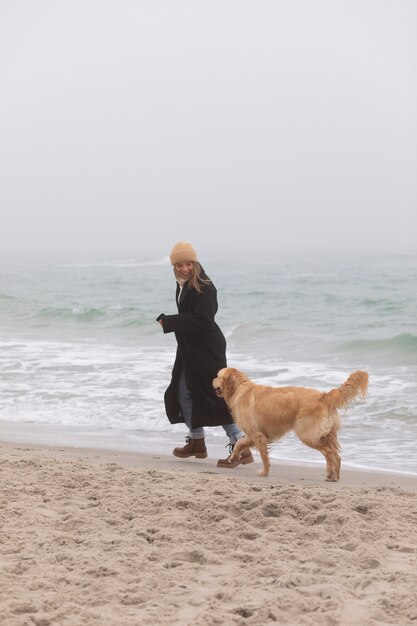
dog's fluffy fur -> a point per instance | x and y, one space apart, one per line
265 414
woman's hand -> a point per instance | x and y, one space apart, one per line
160 319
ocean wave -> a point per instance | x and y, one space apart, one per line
164 261
120 263
6 297
383 305
252 330
106 317
403 346
85 314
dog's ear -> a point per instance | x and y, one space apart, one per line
230 380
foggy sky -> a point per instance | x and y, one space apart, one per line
247 127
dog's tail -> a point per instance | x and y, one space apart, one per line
342 396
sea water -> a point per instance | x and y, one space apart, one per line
79 345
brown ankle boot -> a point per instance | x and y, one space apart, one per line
193 447
245 458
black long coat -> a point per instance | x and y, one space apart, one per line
201 353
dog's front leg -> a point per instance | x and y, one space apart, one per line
261 445
239 447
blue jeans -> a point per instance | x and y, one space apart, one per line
186 403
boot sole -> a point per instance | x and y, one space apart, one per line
199 455
232 465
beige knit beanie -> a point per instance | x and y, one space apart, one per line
182 251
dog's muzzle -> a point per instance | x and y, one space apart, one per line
218 392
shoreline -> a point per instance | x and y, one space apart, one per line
280 473
135 446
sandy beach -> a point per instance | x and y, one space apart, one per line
98 537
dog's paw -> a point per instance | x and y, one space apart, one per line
263 472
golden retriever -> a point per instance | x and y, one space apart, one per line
265 414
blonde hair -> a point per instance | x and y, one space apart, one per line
196 279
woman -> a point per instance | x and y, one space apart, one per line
201 353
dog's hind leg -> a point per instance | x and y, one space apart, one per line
261 444
319 431
331 452
328 445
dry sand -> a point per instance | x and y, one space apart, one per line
92 537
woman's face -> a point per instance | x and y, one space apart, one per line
184 269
